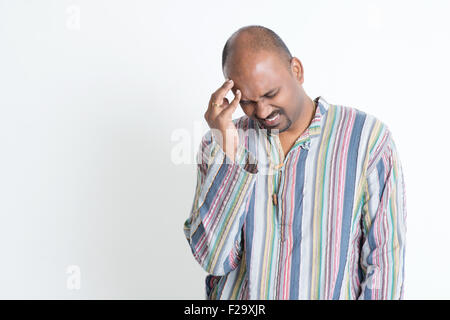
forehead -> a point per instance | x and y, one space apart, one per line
257 73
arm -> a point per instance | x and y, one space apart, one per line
384 225
213 229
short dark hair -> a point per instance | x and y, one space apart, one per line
261 38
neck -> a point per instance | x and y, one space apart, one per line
304 119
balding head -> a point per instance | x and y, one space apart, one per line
251 40
269 79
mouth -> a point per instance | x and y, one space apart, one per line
272 120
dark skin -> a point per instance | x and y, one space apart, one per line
255 74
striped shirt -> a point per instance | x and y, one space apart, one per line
326 221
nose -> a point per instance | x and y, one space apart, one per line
263 110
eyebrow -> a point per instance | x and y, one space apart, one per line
267 93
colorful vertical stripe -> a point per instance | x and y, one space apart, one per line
337 230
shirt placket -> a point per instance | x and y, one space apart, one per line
280 179
277 195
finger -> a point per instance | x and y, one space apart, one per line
220 93
233 105
216 110
218 96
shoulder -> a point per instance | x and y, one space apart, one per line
372 136
355 115
356 120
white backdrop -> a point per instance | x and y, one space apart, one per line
93 95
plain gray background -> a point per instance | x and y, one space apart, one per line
93 95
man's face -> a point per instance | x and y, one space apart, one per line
271 93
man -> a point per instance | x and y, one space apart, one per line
299 198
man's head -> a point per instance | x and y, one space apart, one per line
270 79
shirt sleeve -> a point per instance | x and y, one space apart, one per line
214 226
384 225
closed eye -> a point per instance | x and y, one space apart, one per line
267 96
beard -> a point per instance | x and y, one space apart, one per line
274 131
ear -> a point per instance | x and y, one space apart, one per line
297 69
